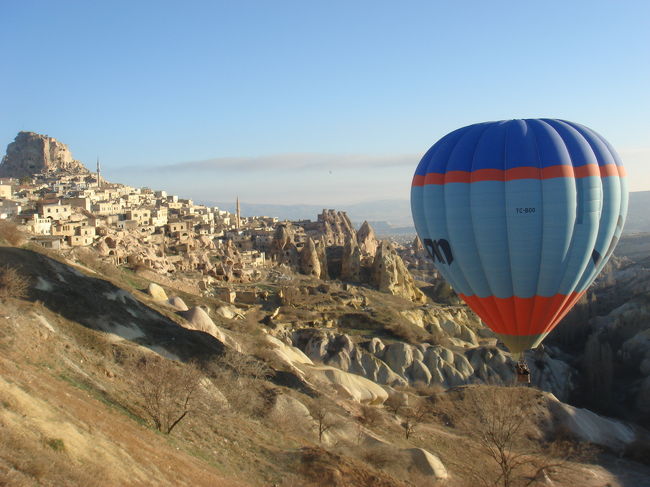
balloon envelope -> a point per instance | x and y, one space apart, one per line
519 217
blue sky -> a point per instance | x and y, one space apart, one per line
322 102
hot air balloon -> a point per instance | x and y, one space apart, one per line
519 217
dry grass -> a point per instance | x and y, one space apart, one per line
12 283
10 234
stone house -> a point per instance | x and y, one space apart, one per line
48 241
108 208
54 210
141 215
83 236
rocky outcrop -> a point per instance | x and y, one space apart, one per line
198 319
349 385
351 262
589 427
282 249
367 240
390 275
399 363
32 153
156 292
177 303
309 260
336 227
427 463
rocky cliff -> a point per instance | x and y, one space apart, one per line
32 153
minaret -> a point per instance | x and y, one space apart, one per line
99 174
238 217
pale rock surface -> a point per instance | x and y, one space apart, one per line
367 240
156 292
228 312
351 385
32 153
427 463
589 426
418 372
398 356
389 274
199 320
336 227
177 303
287 353
309 262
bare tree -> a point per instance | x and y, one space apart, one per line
240 378
369 415
325 419
413 416
367 418
167 390
502 418
396 402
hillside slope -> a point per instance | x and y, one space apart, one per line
74 356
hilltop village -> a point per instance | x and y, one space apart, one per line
62 205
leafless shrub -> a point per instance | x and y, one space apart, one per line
413 416
168 391
324 417
369 416
12 283
241 379
9 233
502 418
380 456
396 402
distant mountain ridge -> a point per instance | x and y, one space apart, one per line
394 216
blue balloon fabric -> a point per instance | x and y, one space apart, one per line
520 216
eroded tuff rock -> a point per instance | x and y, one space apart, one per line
283 250
367 240
390 275
31 153
309 259
399 363
336 227
351 262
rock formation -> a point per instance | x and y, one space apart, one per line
336 227
283 250
367 239
32 153
351 262
389 274
309 259
399 363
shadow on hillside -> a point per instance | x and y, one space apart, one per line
100 305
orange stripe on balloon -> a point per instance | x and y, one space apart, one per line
488 175
434 178
611 170
522 316
458 177
524 172
418 180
